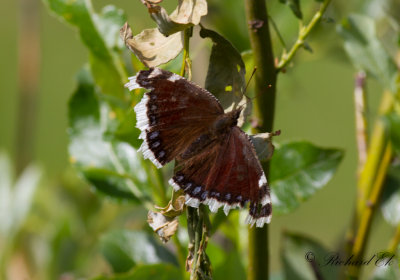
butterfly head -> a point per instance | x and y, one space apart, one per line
226 121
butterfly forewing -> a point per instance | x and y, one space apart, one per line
172 115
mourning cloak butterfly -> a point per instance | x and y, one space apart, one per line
216 161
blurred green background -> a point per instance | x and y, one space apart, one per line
315 103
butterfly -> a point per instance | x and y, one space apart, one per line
216 163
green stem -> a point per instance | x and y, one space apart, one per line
370 183
303 34
186 62
366 216
394 242
376 149
264 110
198 235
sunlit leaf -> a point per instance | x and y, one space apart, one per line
112 166
366 51
99 33
187 14
226 73
298 170
151 47
124 249
294 6
304 258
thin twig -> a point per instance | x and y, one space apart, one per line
360 103
303 34
275 27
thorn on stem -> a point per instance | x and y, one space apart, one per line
255 24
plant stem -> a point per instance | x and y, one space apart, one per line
186 62
198 262
360 104
304 31
264 110
376 149
28 76
366 216
394 242
368 185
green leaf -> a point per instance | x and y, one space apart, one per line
99 33
148 272
393 124
112 166
226 72
366 51
298 170
124 249
390 202
305 258
294 6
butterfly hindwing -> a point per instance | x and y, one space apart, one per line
227 174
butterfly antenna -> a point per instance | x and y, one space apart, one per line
248 82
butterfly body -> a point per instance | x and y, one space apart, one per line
216 163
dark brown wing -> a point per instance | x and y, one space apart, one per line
172 115
226 174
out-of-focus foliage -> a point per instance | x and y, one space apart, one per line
69 229
366 50
304 258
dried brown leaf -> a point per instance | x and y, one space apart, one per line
165 227
151 47
188 13
174 207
